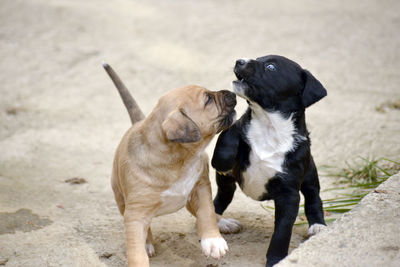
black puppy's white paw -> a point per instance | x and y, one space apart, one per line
316 228
229 226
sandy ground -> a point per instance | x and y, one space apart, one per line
60 116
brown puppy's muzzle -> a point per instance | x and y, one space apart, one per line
227 101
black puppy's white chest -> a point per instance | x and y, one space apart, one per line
270 137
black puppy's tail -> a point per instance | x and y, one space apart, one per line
135 113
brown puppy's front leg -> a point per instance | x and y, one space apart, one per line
200 205
136 228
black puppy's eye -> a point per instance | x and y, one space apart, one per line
271 67
209 99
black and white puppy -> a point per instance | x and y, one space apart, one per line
267 151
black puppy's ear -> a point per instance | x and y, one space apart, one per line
313 89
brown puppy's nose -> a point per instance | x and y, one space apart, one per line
229 98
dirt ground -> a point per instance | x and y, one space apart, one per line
60 116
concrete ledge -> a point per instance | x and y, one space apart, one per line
368 235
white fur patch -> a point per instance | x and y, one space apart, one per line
316 228
176 196
215 247
150 250
229 226
271 136
238 88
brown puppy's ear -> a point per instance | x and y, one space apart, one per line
313 89
178 127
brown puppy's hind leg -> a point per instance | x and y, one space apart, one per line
149 244
119 198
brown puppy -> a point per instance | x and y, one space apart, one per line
160 165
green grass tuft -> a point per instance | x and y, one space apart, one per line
358 179
367 172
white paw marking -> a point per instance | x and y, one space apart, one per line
316 228
150 250
215 247
229 226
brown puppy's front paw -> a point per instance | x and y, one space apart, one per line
215 247
229 226
150 250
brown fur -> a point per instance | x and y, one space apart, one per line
157 154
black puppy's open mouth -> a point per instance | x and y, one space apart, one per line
239 86
239 77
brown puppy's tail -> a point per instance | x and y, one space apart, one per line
133 109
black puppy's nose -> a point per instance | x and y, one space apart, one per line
240 62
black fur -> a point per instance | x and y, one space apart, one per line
288 89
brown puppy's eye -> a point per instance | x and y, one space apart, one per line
209 99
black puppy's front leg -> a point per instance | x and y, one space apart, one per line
223 161
226 190
312 201
226 150
286 210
